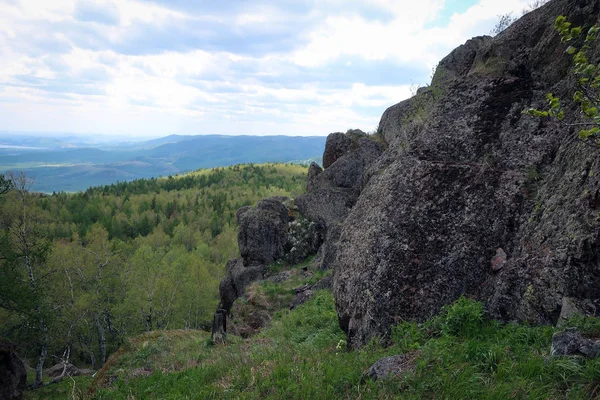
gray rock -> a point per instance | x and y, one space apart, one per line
13 376
337 145
334 191
313 172
262 234
280 277
237 277
568 309
570 342
466 173
391 367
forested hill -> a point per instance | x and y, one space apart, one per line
81 273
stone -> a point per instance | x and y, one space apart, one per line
568 309
262 234
13 376
332 193
280 277
570 342
391 367
219 327
498 260
337 145
237 277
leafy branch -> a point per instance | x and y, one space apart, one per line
587 76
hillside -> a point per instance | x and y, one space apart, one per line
87 271
459 354
452 254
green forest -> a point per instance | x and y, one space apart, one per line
80 273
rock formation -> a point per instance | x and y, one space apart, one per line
458 193
468 178
332 192
268 232
13 376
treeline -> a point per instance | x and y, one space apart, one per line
81 272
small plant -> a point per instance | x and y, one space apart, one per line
408 336
504 21
464 318
587 87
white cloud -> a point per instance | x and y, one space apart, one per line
230 89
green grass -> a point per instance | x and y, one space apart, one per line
74 388
459 355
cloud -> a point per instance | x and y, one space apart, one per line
157 67
91 11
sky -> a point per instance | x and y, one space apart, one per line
150 68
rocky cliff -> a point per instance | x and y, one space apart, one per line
474 198
458 193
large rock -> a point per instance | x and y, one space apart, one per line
571 342
237 277
332 192
262 234
13 376
466 174
337 145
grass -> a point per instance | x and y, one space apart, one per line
302 355
74 388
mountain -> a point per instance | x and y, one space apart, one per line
74 164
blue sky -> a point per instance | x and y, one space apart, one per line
150 68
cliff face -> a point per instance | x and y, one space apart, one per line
459 193
474 198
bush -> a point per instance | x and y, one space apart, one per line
463 318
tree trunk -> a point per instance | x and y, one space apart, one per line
39 368
219 327
149 319
101 341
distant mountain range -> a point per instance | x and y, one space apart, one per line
71 163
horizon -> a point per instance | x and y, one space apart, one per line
147 69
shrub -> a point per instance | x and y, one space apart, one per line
464 318
587 87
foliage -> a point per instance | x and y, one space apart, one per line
587 86
113 262
5 184
462 318
504 21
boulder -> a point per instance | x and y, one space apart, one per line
337 145
391 367
471 196
332 192
262 234
13 376
571 342
237 277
